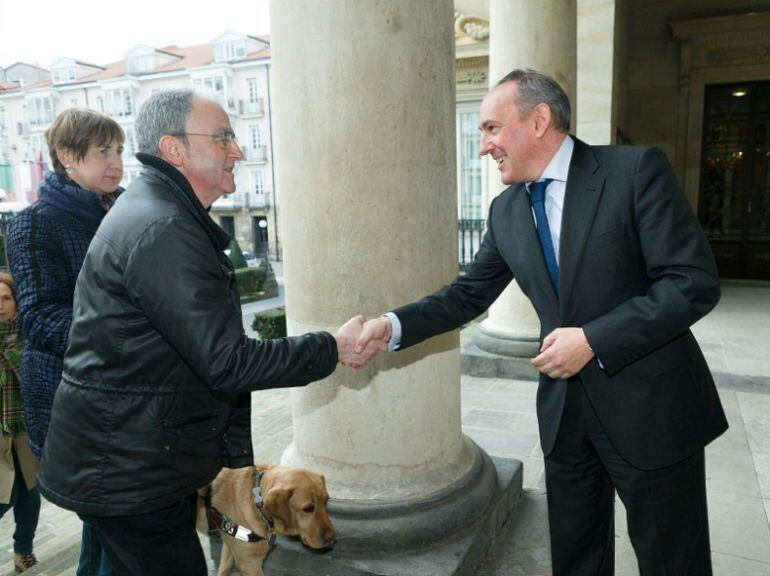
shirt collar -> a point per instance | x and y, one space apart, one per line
558 167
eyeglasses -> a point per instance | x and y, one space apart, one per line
224 138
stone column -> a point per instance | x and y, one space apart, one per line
542 36
597 59
365 147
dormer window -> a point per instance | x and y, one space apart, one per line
66 70
140 63
142 59
224 51
64 75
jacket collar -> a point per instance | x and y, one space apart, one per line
180 186
65 195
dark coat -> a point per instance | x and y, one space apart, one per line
46 245
635 272
153 399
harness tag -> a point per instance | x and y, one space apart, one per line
242 534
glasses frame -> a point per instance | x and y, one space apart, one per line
225 137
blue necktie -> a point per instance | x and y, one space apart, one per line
537 197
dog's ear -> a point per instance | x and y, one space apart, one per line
277 506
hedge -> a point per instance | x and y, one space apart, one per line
270 323
236 255
250 280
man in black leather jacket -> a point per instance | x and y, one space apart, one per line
154 397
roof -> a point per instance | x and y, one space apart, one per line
186 57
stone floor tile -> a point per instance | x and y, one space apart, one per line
514 422
766 502
739 525
503 443
731 565
523 547
731 468
762 466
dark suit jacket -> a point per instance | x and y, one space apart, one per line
635 272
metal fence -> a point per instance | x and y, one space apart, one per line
469 238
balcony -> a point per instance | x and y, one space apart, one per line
257 200
246 108
256 155
227 202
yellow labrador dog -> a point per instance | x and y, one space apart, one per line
248 506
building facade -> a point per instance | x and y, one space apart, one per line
689 76
234 70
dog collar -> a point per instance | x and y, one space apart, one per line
218 520
260 504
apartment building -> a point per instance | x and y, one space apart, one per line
234 69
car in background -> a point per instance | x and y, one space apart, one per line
251 260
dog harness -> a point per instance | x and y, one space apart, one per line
223 522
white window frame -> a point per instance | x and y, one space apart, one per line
64 75
130 144
119 102
141 63
255 137
469 140
252 90
257 183
40 111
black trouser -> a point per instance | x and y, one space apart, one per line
158 543
666 508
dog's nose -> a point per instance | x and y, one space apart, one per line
330 537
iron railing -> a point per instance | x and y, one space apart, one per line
470 233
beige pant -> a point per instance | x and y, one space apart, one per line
27 460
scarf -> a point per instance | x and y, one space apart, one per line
65 195
11 407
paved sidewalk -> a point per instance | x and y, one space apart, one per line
499 415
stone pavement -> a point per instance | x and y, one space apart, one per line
499 415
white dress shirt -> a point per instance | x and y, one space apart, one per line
557 169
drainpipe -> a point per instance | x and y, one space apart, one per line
272 165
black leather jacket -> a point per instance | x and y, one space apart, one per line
153 399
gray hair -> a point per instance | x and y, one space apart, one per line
535 88
162 113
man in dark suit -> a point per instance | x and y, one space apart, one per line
605 245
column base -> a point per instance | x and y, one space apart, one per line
441 535
493 355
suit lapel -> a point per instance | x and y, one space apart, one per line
530 248
585 185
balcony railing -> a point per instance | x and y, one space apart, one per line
227 202
252 108
258 154
257 200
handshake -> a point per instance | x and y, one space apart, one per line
359 341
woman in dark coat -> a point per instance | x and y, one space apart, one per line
46 246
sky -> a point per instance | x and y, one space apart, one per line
101 31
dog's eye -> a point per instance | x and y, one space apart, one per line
309 509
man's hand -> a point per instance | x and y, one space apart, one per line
564 353
376 330
347 337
